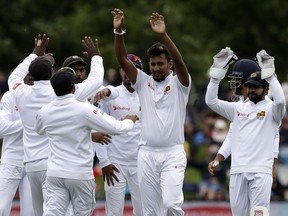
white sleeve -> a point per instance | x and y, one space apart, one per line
223 108
276 144
98 120
102 154
7 125
278 109
94 81
102 150
225 148
19 73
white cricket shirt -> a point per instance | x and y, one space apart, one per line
30 99
225 149
123 149
254 127
12 131
68 124
163 107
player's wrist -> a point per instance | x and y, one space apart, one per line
119 31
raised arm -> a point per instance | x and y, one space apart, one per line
120 48
95 78
217 72
17 76
266 62
158 26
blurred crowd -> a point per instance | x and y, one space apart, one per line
204 133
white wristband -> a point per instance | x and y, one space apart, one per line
119 33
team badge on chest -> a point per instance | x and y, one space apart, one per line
167 90
261 115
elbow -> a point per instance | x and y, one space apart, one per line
209 102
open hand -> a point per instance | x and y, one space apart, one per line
101 138
118 21
40 44
91 48
109 174
157 23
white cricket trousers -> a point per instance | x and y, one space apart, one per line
61 191
38 190
160 176
115 195
248 190
11 178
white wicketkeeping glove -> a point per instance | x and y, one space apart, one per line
266 63
221 63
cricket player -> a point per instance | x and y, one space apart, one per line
68 124
255 125
118 159
12 170
242 69
30 99
163 98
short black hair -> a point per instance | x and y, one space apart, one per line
41 68
62 82
157 50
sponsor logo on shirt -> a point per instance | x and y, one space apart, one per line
150 86
261 115
120 108
95 111
242 114
16 85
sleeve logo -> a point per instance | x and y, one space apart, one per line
16 85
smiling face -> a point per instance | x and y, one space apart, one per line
159 67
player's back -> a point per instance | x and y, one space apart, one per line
29 100
64 122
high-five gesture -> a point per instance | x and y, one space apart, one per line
157 23
91 48
40 44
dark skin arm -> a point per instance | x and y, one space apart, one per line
158 26
274 172
120 48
